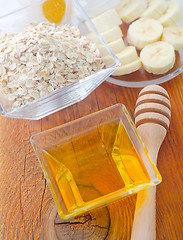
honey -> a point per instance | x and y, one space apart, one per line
93 167
54 10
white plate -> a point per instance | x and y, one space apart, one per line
139 78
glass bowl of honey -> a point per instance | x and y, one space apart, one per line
59 13
94 161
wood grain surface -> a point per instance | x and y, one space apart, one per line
27 210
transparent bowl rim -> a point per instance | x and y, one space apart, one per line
66 88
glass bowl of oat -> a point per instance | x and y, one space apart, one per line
49 58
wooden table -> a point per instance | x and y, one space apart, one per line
27 210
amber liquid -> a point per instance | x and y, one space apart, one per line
95 166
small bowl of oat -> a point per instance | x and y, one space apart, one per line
49 58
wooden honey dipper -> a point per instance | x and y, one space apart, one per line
152 118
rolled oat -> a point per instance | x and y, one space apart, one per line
42 59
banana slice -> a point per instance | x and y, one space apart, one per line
108 61
128 68
155 9
144 31
117 46
107 20
94 38
128 55
112 34
174 36
130 10
158 57
172 15
103 51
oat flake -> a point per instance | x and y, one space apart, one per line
42 59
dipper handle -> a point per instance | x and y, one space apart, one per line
152 118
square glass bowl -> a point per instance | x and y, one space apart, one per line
140 78
75 16
93 161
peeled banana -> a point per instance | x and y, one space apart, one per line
174 36
172 15
94 38
103 51
130 10
117 46
155 9
108 61
130 62
128 68
107 20
158 57
144 31
112 34
152 31
128 55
